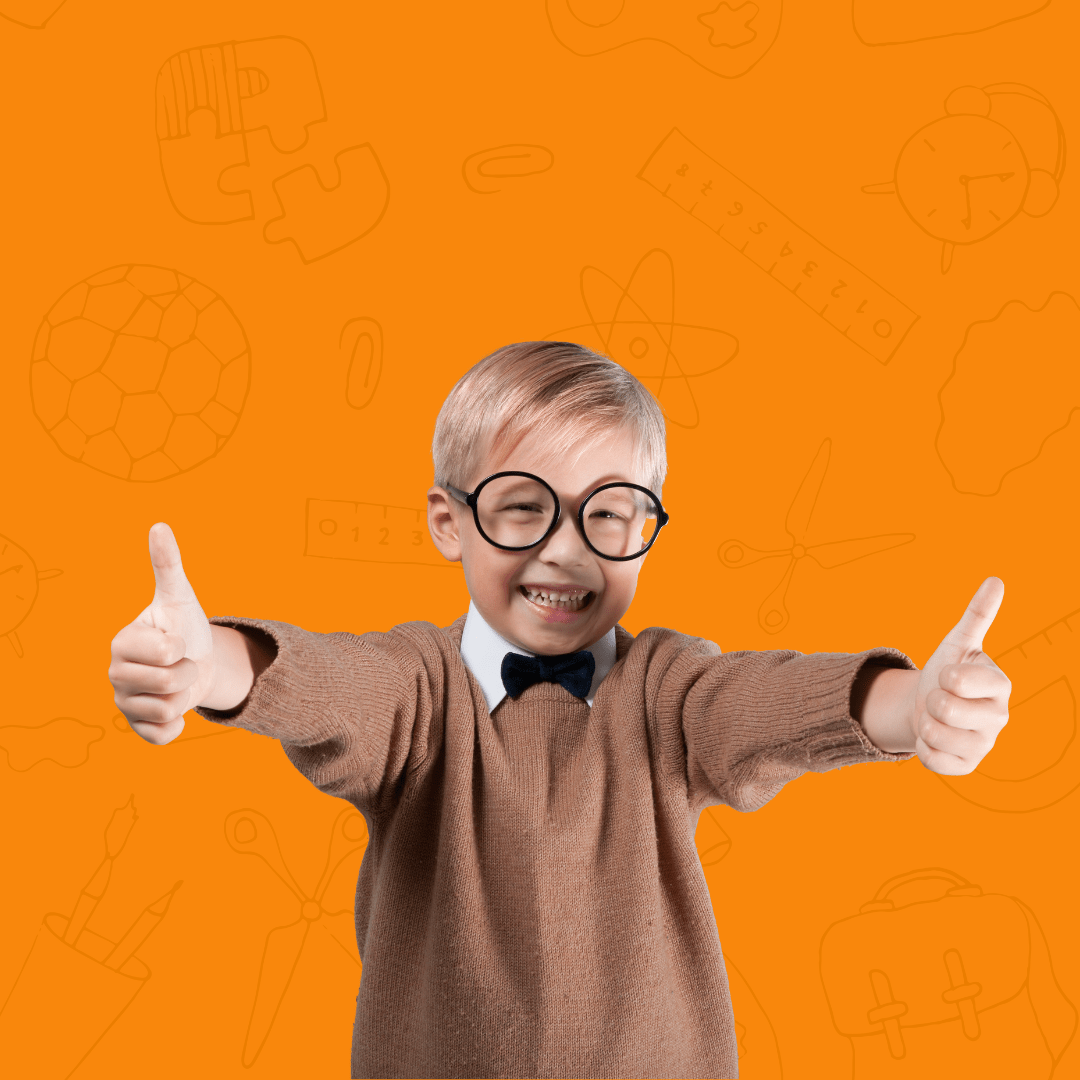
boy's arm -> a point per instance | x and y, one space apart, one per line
951 712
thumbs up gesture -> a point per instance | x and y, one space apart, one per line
163 661
962 696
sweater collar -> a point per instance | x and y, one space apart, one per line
483 649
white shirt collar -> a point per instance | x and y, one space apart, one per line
483 649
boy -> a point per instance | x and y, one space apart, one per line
531 902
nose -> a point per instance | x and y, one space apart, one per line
564 546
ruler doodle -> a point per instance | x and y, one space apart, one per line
369 532
841 294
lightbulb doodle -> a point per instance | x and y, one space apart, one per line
935 977
999 150
727 39
635 325
250 833
19 577
773 614
1014 383
140 372
232 120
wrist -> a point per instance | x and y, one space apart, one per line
236 662
883 701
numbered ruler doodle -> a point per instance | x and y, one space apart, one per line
842 295
369 532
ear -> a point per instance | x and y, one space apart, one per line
444 523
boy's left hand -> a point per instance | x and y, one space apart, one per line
962 696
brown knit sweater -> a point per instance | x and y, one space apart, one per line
531 903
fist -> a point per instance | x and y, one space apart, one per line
962 696
163 662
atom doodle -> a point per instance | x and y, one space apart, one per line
635 325
773 615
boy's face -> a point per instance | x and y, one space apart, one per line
505 585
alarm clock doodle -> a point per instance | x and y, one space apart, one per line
998 151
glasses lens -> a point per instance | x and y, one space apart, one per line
620 521
515 511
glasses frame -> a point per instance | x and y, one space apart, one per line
469 498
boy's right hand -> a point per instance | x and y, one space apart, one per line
163 662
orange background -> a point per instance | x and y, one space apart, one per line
379 285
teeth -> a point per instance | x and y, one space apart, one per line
569 601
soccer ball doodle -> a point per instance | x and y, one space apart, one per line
140 372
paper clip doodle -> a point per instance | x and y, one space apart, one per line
227 113
727 39
369 532
250 833
362 341
773 614
1023 773
1014 383
487 171
140 372
934 976
635 325
842 295
19 577
895 22
71 960
998 151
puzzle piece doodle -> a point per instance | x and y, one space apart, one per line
230 119
321 220
728 39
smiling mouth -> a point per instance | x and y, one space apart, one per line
564 599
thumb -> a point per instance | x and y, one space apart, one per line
976 620
170 581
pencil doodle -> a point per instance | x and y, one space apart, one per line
103 975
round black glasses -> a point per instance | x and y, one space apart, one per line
516 511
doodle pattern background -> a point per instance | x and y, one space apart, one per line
354 340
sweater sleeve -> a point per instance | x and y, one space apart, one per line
346 708
752 721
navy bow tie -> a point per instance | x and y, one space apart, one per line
573 670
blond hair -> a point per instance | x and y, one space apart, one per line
556 389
